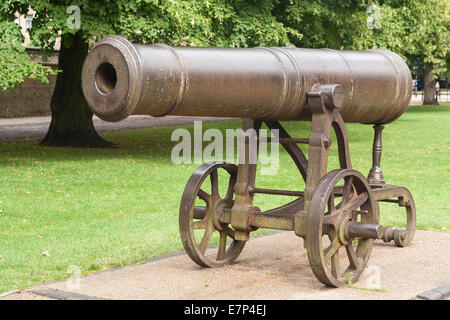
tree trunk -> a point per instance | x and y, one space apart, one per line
429 86
71 123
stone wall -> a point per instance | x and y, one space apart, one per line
32 97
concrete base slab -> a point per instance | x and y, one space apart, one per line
270 267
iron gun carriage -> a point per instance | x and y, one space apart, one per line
338 211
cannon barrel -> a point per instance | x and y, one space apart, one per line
120 78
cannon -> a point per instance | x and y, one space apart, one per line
337 213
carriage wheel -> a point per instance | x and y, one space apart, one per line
200 211
342 196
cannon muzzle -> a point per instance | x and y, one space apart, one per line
120 78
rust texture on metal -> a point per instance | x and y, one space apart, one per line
120 78
333 216
338 212
206 217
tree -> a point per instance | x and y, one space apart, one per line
214 23
415 29
418 30
325 24
430 41
15 63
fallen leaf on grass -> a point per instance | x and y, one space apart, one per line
46 253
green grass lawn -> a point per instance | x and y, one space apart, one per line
98 209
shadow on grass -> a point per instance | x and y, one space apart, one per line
156 144
145 144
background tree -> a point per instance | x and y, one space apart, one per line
215 23
325 24
419 31
15 63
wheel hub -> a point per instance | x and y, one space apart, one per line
217 208
342 227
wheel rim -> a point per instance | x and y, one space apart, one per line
335 257
205 219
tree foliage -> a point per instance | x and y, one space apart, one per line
15 63
174 22
325 24
205 22
418 30
412 28
415 29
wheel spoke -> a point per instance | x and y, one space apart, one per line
222 246
200 225
354 263
347 190
356 213
214 183
332 249
331 207
330 219
354 204
230 191
337 191
358 201
229 232
205 196
335 265
205 240
327 229
330 232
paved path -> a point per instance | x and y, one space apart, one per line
36 127
418 100
274 266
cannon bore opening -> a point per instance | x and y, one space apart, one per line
105 78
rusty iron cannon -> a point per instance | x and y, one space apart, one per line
337 213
